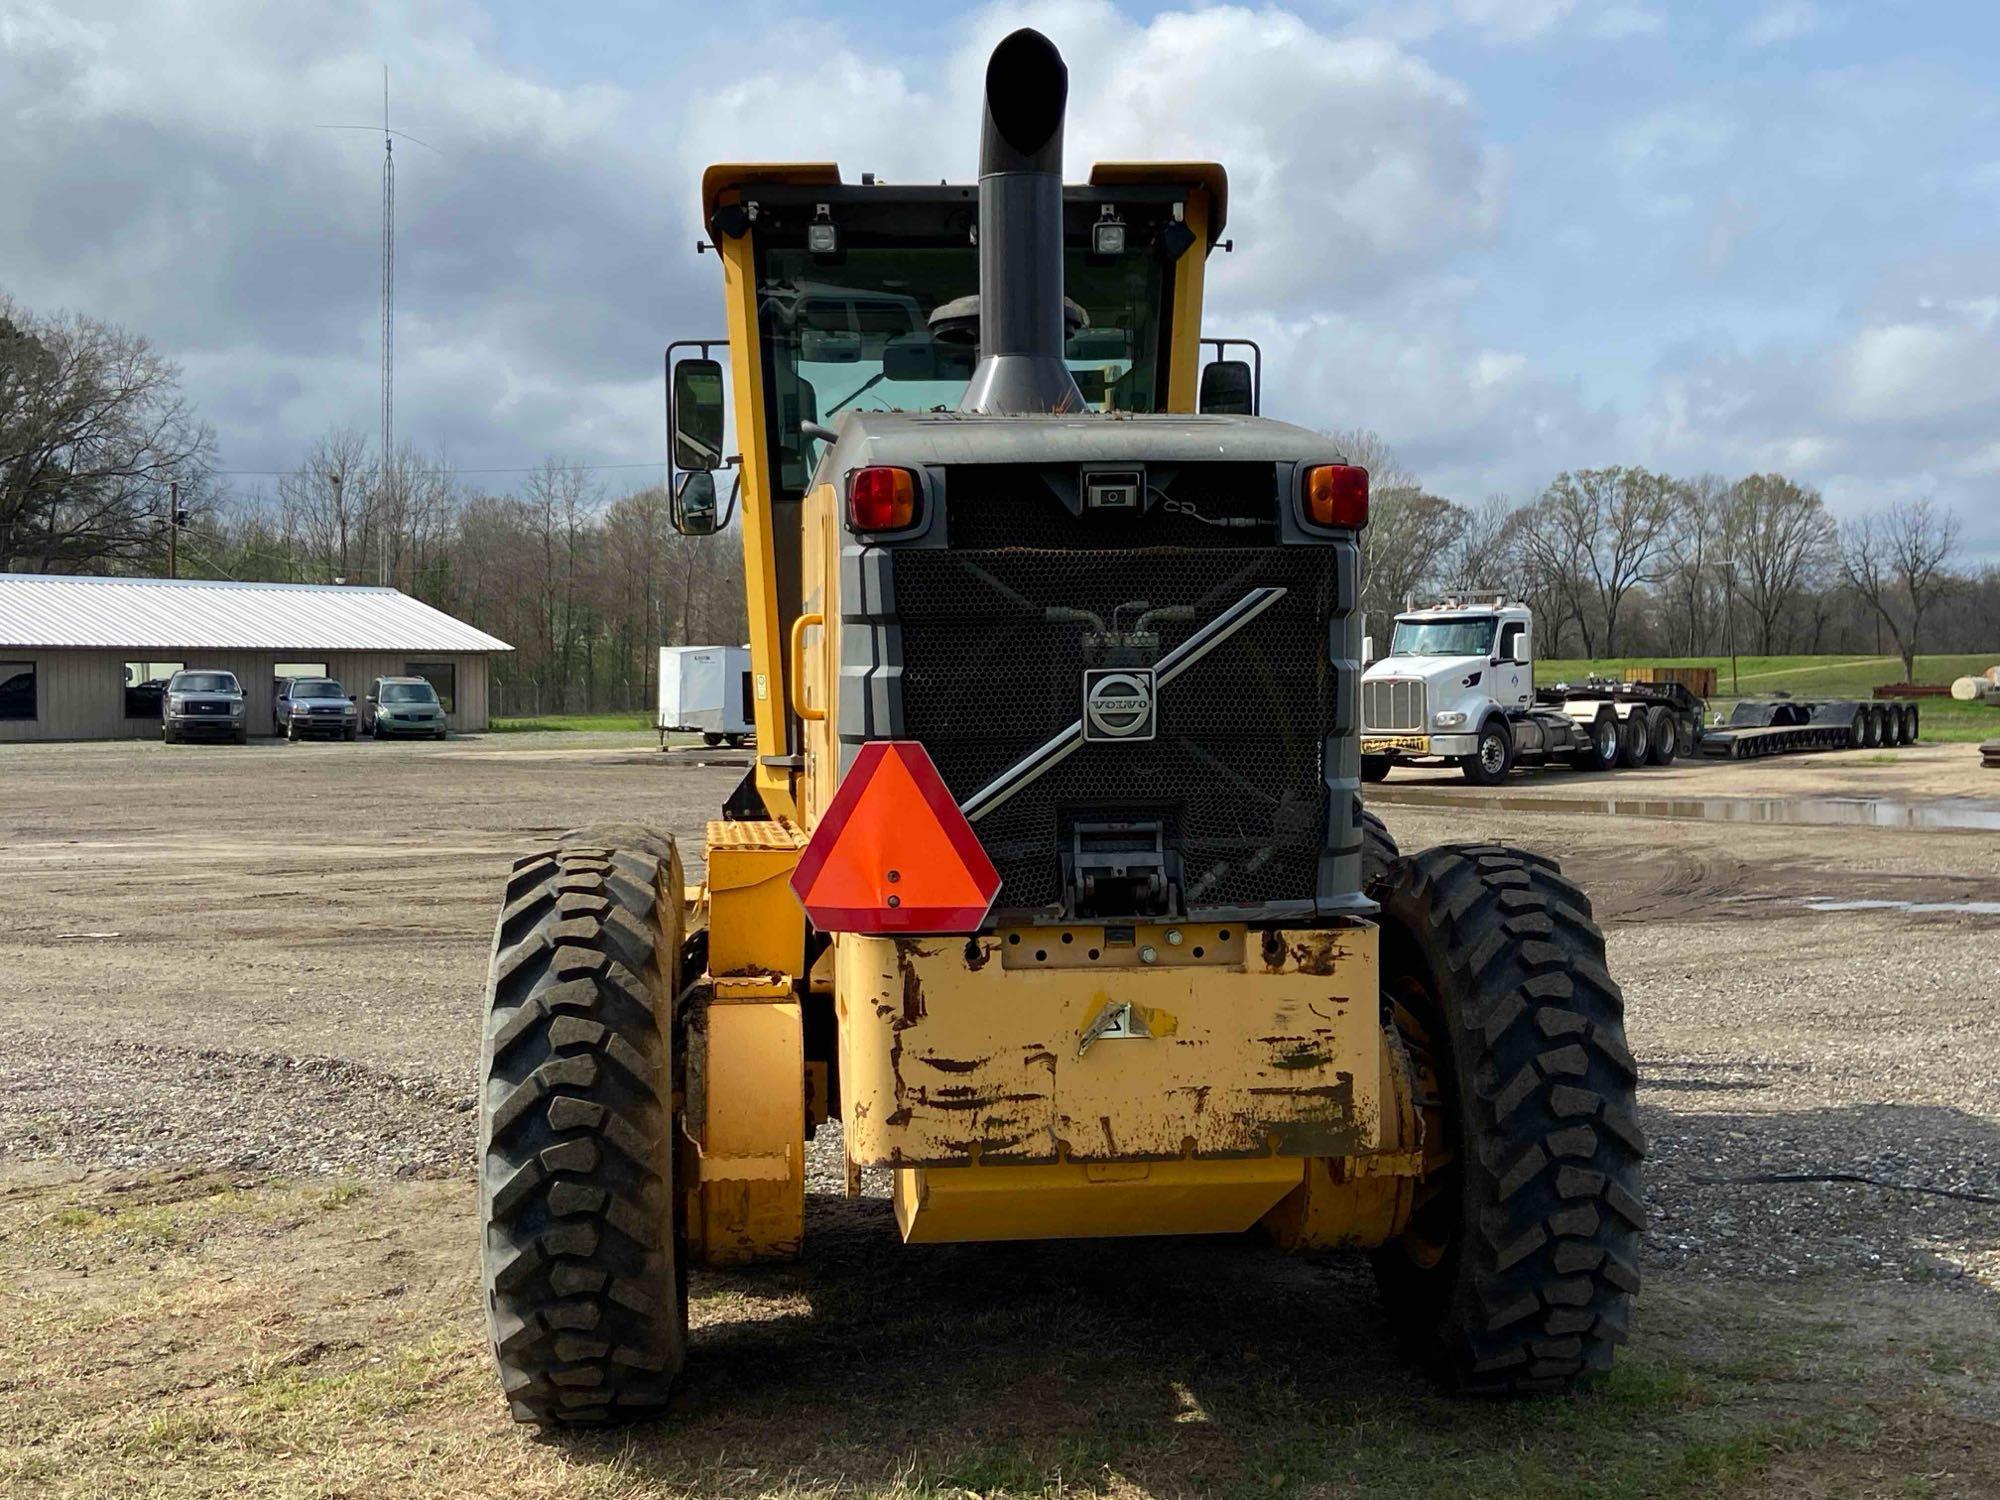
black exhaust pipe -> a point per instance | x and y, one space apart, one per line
1021 333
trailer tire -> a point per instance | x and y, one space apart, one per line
1913 723
1378 853
581 1254
1600 752
1374 768
1635 739
1517 1269
1663 737
1493 758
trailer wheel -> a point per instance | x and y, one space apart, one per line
1600 751
1493 757
1913 723
1663 737
1635 739
584 1272
1374 768
1516 1271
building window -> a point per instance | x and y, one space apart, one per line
443 678
146 687
17 690
281 670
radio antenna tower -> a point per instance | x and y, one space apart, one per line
389 138
388 278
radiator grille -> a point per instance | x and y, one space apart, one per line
1394 703
1235 773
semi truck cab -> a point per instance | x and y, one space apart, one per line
1457 686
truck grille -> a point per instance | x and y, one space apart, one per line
1234 775
1398 703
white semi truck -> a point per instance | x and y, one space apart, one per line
1457 687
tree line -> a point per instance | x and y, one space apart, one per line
99 446
1627 562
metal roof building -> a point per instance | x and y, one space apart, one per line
86 658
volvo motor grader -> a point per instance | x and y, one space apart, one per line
1051 881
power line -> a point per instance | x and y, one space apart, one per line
518 469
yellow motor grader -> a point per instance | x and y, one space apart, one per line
1050 881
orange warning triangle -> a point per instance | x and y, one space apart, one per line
893 853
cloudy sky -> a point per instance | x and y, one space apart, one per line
1513 236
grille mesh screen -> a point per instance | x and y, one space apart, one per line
1235 773
1394 703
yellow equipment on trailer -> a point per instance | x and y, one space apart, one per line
1051 880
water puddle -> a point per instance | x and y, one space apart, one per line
1863 812
1828 903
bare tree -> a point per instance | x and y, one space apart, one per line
94 432
1610 527
1895 560
1484 551
1782 542
1689 583
324 505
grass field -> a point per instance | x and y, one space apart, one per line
1814 676
597 722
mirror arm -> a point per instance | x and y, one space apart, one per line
815 430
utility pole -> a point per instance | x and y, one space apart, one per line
333 478
173 527
1729 620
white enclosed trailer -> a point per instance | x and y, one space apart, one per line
705 690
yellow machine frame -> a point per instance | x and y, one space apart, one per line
1012 1094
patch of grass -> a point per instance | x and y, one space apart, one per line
546 723
1944 719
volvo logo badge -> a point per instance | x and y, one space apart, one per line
1118 703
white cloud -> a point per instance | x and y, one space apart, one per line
1918 372
1784 21
1352 162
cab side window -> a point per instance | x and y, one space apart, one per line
1513 641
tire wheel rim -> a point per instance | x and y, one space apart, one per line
1607 739
1493 755
1426 1238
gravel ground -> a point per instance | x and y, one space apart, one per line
271 958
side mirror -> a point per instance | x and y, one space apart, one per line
1227 389
694 512
694 414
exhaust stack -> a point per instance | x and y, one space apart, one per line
1021 334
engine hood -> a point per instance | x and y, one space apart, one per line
1425 668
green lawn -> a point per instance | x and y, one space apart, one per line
1815 676
630 723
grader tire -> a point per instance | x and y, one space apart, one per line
1378 853
1517 1270
585 1278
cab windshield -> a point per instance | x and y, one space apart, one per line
1472 637
202 682
854 335
317 687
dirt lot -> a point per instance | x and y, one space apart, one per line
236 1243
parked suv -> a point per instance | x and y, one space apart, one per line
315 705
204 704
403 705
